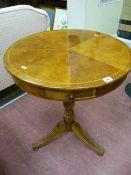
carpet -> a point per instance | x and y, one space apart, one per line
107 119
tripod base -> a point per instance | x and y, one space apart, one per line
68 124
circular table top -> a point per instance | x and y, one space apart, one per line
68 59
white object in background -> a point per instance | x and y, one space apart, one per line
17 22
85 14
60 21
104 19
76 12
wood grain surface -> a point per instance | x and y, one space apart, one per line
68 60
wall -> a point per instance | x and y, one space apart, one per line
104 19
87 14
76 13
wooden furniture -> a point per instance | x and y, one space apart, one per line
124 28
61 3
128 87
128 43
6 3
34 3
68 65
37 3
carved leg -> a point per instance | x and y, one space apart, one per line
79 132
68 115
68 124
54 134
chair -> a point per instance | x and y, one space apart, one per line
17 22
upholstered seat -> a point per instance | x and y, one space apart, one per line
17 22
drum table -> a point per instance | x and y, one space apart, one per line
68 65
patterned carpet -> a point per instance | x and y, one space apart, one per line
107 119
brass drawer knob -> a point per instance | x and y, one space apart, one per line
71 96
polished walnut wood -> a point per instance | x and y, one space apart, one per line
68 65
68 124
